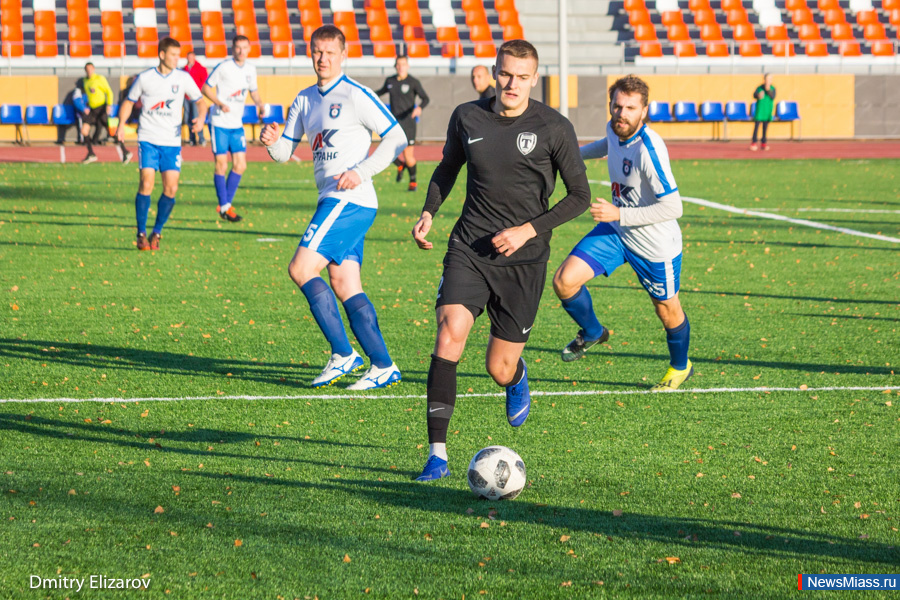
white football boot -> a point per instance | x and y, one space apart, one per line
377 378
337 367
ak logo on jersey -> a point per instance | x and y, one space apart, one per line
163 104
626 167
526 142
624 195
334 110
321 143
239 93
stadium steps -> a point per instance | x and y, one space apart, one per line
592 34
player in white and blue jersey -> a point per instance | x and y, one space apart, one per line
338 117
639 227
227 88
161 91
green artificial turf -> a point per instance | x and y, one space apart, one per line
310 494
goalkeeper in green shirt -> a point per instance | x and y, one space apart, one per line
765 103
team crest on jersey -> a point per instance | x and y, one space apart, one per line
404 88
526 142
335 111
174 89
626 166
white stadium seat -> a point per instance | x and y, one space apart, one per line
769 17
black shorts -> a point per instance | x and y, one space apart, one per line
408 126
511 293
97 117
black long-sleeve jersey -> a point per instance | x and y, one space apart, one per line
512 166
403 94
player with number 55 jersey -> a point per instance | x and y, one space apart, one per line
338 117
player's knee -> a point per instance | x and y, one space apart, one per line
564 284
239 167
500 369
170 190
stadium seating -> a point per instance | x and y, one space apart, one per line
36 115
11 114
274 113
112 28
659 112
79 28
64 114
686 112
280 34
211 20
179 24
245 24
789 111
736 111
712 112
13 41
45 29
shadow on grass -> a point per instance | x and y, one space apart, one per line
601 286
678 531
725 242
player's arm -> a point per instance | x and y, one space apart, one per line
657 172
442 181
389 148
423 100
383 89
124 114
598 149
210 93
107 91
281 148
257 100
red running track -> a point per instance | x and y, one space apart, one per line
850 150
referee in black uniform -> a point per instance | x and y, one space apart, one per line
403 89
498 251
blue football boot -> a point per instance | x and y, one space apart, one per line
518 399
435 468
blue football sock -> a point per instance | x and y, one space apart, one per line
221 189
364 323
679 339
231 185
163 209
141 207
323 306
581 308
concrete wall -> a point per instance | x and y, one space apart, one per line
877 111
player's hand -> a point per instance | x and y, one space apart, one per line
87 111
348 180
604 212
196 125
509 240
224 108
261 111
269 134
416 112
109 110
120 132
421 229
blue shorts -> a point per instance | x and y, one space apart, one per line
338 230
159 158
227 140
602 249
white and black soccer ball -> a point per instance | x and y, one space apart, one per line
496 473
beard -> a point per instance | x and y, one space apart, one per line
625 129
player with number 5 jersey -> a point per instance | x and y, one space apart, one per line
639 227
338 116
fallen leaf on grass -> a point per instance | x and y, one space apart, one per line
238 543
673 560
566 584
485 525
346 558
159 509
617 513
565 538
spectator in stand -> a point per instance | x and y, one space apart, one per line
483 82
765 102
199 74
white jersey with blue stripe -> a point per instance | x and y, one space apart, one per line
338 122
645 191
232 84
162 100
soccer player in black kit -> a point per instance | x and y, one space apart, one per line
498 251
403 89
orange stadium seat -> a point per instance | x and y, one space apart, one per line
883 48
651 49
750 49
375 4
866 17
346 22
214 42
875 32
13 40
835 16
79 29
842 32
635 5
45 34
737 17
280 34
146 32
672 17
704 17
639 17
245 24
793 5
743 32
450 43
783 49
894 17
380 32
485 50
849 48
711 33
802 17
180 24
504 5
645 33
815 48
810 32
698 5
776 33
685 49
889 5
508 17
717 49
513 32
732 5
828 5
678 33
112 32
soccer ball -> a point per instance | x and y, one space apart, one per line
496 473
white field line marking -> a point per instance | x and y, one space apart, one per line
765 215
268 239
724 390
839 210
62 154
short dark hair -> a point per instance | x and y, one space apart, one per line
631 84
166 43
328 32
239 38
88 64
518 49
401 57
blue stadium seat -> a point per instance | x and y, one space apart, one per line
11 114
752 111
736 111
712 112
37 115
659 112
686 112
64 114
274 114
251 117
787 111
114 113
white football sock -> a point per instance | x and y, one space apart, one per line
439 450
